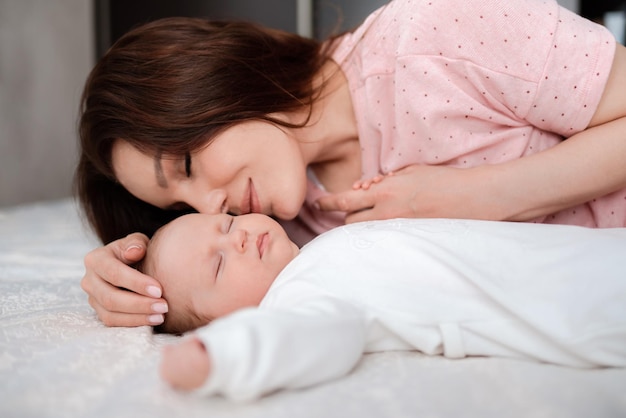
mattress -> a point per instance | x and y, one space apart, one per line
58 360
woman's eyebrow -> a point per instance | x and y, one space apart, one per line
158 171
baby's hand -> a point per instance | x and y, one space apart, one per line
185 365
365 184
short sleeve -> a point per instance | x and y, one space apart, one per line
574 76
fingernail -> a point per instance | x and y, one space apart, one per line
155 319
154 291
159 307
316 205
133 247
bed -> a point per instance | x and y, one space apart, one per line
58 360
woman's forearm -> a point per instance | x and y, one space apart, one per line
587 165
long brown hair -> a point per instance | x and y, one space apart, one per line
170 86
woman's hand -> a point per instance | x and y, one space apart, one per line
413 192
185 365
121 295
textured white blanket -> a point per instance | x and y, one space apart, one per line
58 360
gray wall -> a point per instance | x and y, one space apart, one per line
46 50
345 13
351 12
570 4
45 55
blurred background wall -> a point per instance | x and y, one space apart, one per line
46 51
47 48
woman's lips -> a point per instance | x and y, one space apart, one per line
247 199
250 202
255 204
262 242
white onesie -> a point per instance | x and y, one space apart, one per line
549 293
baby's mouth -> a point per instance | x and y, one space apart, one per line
262 242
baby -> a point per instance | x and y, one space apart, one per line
212 265
272 316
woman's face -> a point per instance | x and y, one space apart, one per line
252 167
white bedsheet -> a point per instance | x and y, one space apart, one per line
58 360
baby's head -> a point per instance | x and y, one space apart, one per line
212 265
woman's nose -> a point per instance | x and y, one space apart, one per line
211 203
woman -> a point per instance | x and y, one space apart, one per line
468 109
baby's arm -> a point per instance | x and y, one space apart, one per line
186 365
257 351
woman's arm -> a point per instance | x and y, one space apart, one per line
121 295
587 165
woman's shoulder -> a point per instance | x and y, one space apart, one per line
457 29
345 44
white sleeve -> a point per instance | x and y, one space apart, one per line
257 351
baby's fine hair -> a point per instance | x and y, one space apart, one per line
180 317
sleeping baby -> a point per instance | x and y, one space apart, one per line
272 316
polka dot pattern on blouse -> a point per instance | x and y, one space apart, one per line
466 83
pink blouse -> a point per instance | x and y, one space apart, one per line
464 83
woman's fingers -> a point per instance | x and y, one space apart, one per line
109 264
365 184
122 319
394 195
356 200
121 295
349 201
362 216
130 249
119 307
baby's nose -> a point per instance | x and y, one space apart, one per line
239 239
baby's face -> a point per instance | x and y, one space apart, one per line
219 263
